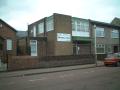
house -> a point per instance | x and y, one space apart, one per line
8 44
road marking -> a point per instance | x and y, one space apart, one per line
65 75
92 71
32 80
86 72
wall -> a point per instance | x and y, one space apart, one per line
23 62
29 62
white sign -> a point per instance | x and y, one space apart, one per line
63 37
80 33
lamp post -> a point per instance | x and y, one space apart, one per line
95 44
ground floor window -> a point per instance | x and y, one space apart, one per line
100 48
33 47
9 44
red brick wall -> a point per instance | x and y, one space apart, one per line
29 62
23 62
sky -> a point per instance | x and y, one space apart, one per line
20 13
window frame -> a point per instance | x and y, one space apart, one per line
41 28
113 32
102 46
9 44
31 43
101 32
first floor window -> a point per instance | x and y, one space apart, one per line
99 32
115 34
41 27
9 44
100 48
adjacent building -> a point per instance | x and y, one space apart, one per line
8 44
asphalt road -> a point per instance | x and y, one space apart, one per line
100 78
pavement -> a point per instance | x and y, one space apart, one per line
47 70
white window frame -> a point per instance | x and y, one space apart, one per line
34 31
49 23
101 30
41 27
9 44
31 43
100 46
114 32
80 28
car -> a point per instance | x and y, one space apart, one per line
112 59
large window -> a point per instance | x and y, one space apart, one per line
100 48
100 32
41 27
80 27
115 34
9 44
49 24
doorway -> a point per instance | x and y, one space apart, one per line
115 48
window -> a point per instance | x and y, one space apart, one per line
80 25
33 45
49 24
73 26
115 34
41 27
100 48
99 32
9 44
34 31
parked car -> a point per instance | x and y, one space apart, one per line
112 59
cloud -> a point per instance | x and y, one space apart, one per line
20 12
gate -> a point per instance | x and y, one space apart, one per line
3 66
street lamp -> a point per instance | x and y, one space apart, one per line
94 28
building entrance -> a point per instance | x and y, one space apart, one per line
79 49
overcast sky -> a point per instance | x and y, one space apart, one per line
20 13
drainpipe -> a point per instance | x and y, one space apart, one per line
94 28
119 40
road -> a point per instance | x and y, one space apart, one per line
100 78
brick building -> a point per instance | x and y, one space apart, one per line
8 43
67 35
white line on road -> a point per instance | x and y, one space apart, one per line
65 75
32 80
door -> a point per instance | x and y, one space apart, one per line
33 47
76 49
115 49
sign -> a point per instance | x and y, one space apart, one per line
63 37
